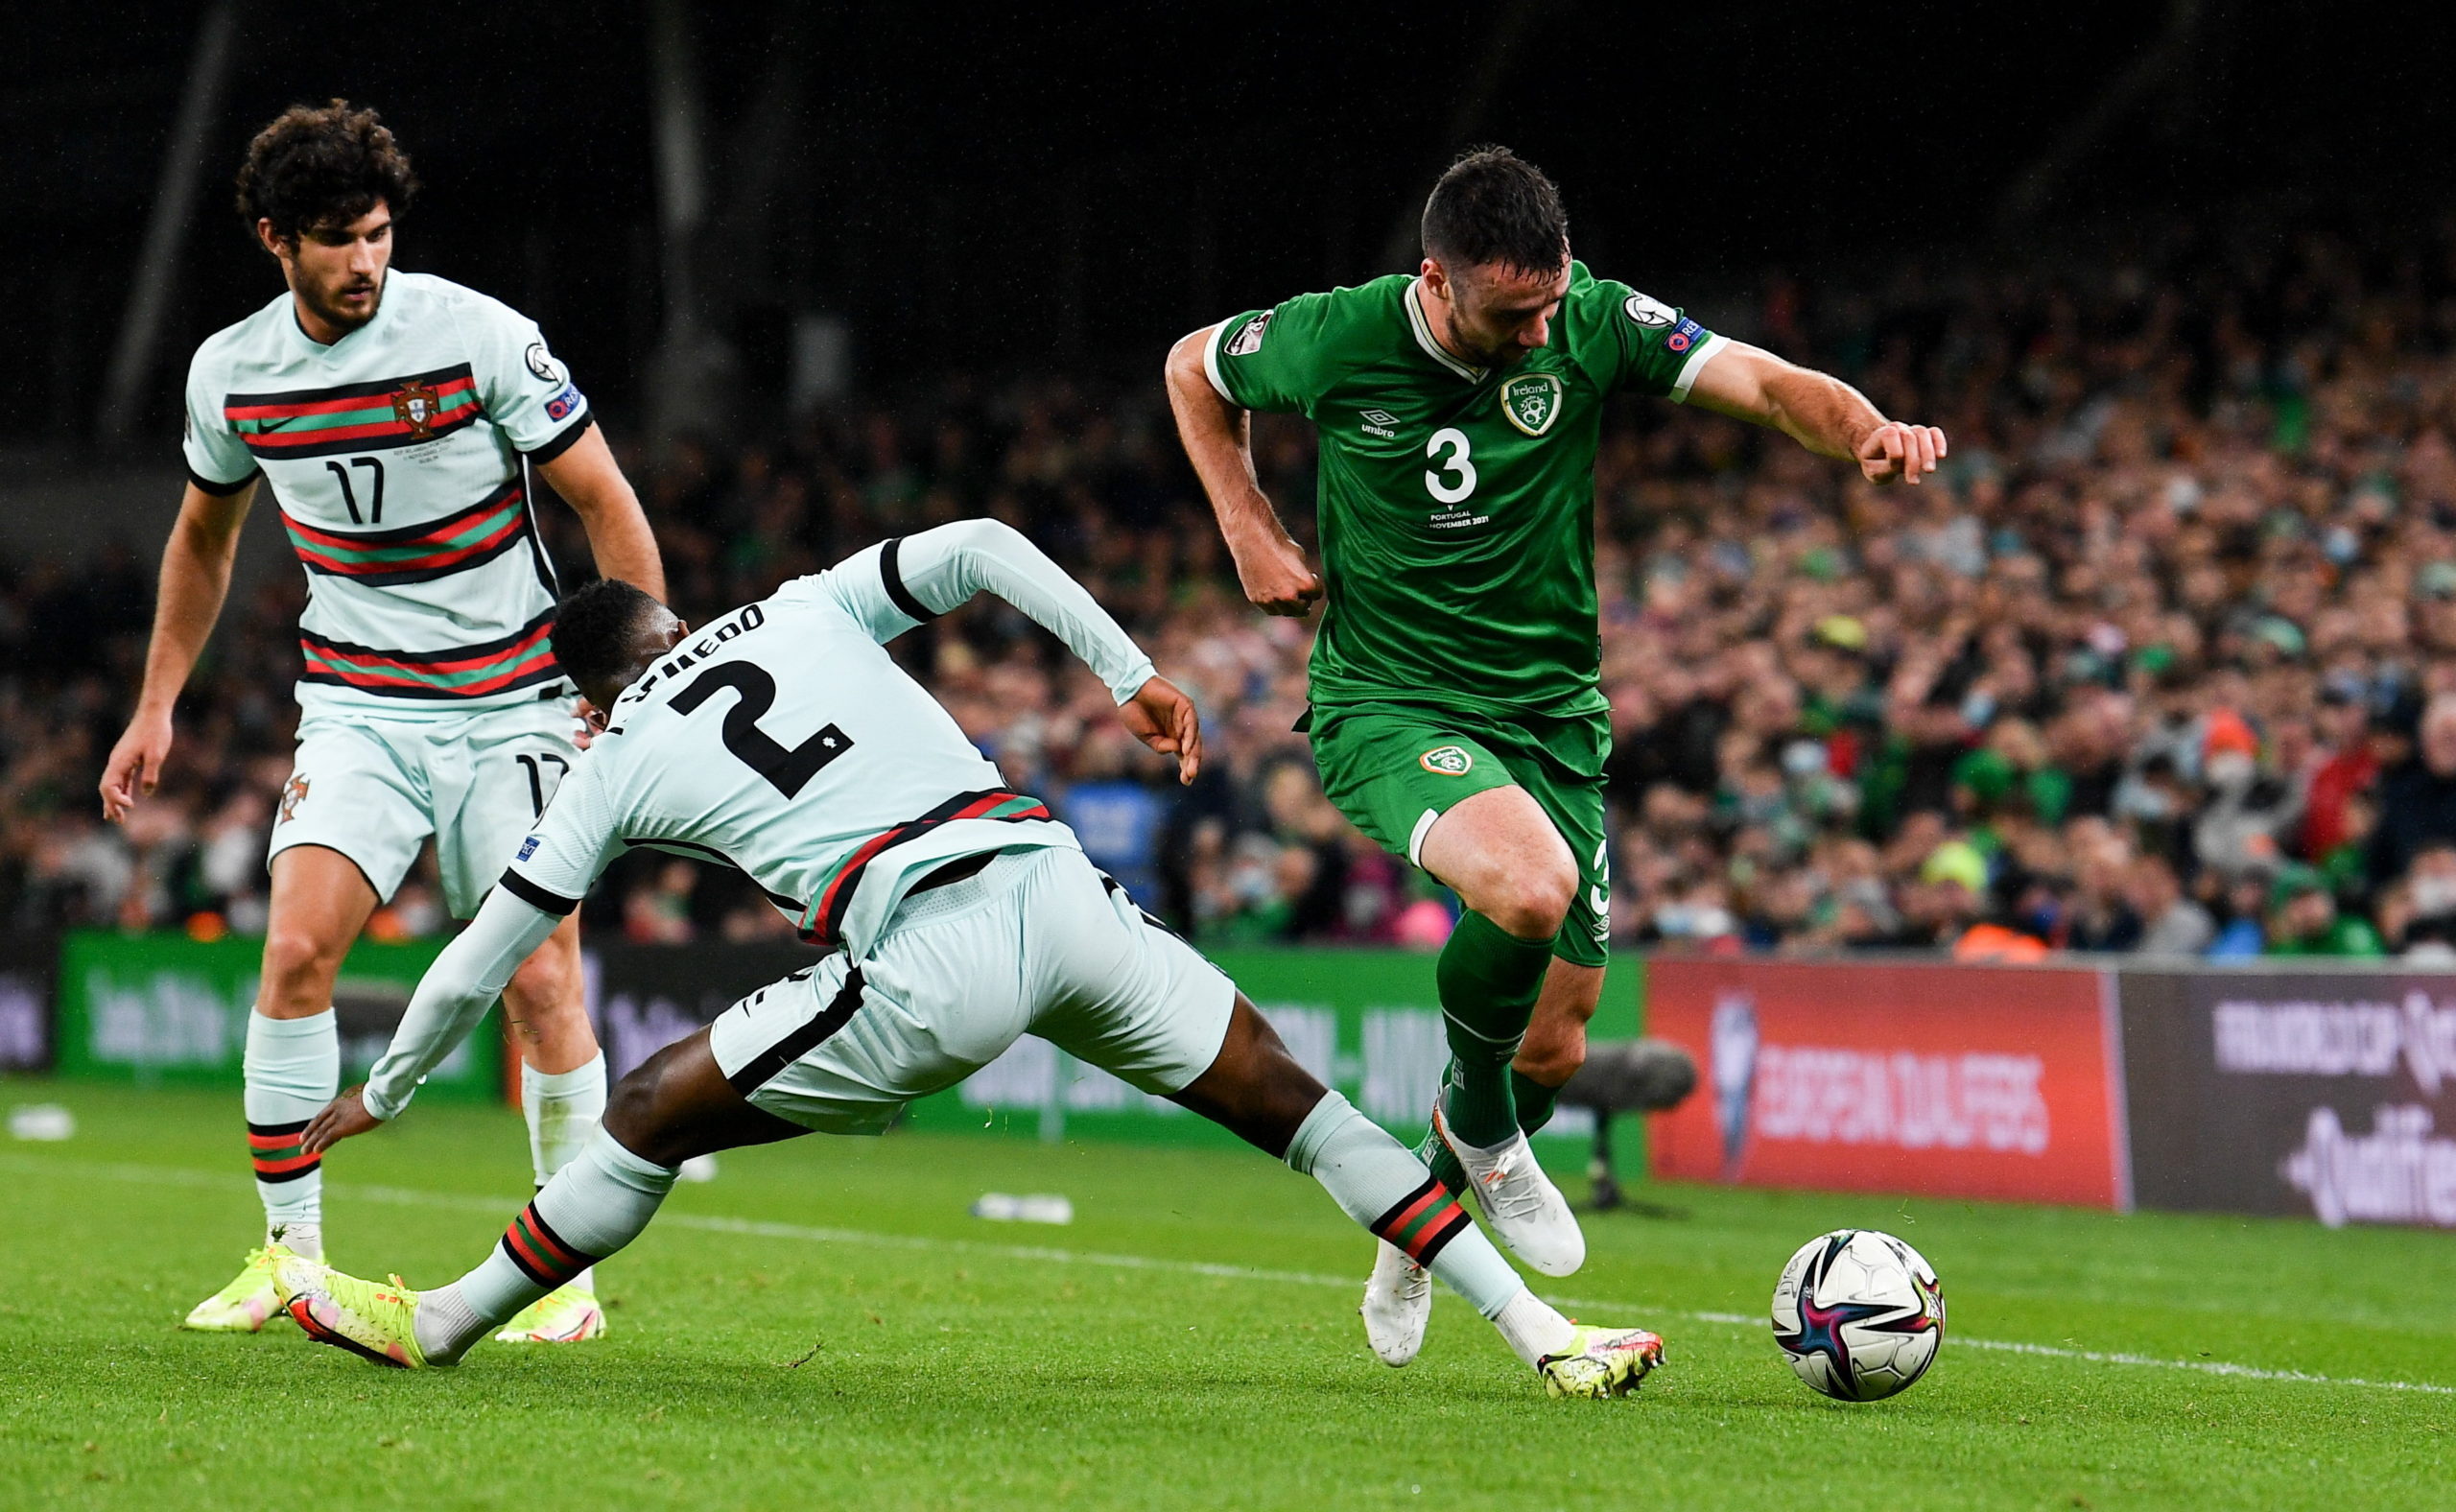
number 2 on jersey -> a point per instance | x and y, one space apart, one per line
787 768
1450 491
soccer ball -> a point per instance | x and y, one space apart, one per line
1859 1315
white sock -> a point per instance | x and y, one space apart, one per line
563 1109
595 1205
1380 1182
1532 1328
292 1067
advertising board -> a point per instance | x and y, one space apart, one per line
164 1009
2329 1095
1939 1079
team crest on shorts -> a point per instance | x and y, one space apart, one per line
419 407
1447 760
1532 401
293 792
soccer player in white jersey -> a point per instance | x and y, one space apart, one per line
960 915
394 417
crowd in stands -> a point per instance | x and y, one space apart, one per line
2163 661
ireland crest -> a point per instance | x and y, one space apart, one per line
417 406
1532 401
1446 761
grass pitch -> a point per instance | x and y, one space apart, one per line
825 1327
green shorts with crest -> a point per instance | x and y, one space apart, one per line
1394 768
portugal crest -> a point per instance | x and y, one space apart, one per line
293 792
1447 760
419 407
1532 401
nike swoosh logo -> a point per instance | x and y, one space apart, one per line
263 426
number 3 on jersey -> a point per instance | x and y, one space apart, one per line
1454 478
787 768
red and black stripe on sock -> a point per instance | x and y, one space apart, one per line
1421 1223
542 1255
274 1149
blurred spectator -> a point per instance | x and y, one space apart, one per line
2303 919
2171 924
2417 799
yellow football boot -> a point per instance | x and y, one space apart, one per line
1606 1362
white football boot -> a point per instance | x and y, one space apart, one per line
1521 1203
1398 1302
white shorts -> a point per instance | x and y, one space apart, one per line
1036 943
374 789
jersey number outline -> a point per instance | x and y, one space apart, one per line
1458 462
536 776
349 495
787 769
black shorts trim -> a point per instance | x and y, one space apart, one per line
564 441
892 574
218 489
535 896
770 1063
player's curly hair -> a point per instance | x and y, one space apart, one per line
1494 206
596 633
323 165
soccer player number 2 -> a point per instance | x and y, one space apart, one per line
1444 487
787 769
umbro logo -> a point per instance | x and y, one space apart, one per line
1378 422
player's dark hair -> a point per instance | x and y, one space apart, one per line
1494 206
596 631
320 165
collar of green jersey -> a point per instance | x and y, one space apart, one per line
1423 337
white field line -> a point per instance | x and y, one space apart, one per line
756 1228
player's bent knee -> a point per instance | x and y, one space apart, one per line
643 1114
300 961
1533 905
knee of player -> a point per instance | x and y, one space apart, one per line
1534 902
545 982
632 1115
298 959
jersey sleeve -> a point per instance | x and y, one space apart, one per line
218 460
1636 342
575 839
1275 360
911 580
527 393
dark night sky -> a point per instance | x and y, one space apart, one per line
1074 186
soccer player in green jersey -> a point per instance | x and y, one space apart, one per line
1456 716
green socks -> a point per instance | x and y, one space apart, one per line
1489 979
1534 1102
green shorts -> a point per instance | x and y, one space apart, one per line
1394 768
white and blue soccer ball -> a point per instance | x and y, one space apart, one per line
1859 1315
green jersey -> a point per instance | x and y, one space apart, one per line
1457 503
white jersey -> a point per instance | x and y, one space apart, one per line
785 740
397 458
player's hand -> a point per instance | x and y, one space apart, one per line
1895 451
1276 579
135 768
1163 717
342 1117
591 723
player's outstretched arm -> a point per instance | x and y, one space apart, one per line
1821 412
939 570
589 479
451 997
195 576
1219 440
